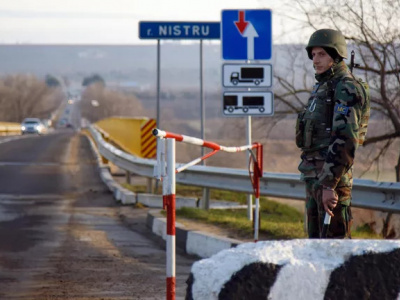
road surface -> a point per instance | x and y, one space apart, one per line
61 232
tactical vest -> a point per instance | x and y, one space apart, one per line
314 123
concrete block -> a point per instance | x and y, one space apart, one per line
155 201
117 193
185 202
160 227
150 200
128 197
206 245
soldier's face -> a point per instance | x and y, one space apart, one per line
321 60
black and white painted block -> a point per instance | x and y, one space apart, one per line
300 269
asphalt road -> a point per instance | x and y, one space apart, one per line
61 233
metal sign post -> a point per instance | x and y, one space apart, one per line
205 202
249 196
202 109
247 36
158 81
256 162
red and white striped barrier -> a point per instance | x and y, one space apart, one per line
167 174
169 205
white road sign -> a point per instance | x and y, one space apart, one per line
248 103
247 75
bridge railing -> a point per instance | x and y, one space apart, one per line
383 196
7 128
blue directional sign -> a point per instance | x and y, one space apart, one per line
246 34
179 30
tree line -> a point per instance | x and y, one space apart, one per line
99 102
25 95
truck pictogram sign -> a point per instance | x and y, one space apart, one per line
247 75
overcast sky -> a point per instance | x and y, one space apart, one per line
109 21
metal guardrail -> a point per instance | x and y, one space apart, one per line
9 128
384 196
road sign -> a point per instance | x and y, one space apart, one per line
247 75
248 103
179 30
148 141
246 34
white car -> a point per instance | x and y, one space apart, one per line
32 125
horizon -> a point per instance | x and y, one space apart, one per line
103 22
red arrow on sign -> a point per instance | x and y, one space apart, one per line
241 24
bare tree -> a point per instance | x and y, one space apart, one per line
108 103
370 29
23 96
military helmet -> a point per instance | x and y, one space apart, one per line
328 38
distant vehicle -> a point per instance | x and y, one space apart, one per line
65 123
32 125
255 75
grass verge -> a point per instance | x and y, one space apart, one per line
277 221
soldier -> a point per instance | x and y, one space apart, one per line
329 130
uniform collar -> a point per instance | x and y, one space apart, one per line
336 71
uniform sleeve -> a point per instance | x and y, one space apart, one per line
345 134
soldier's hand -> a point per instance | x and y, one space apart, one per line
329 200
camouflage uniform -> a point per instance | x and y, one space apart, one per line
328 151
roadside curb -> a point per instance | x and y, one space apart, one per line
192 242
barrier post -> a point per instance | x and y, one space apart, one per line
128 177
149 185
169 203
258 171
